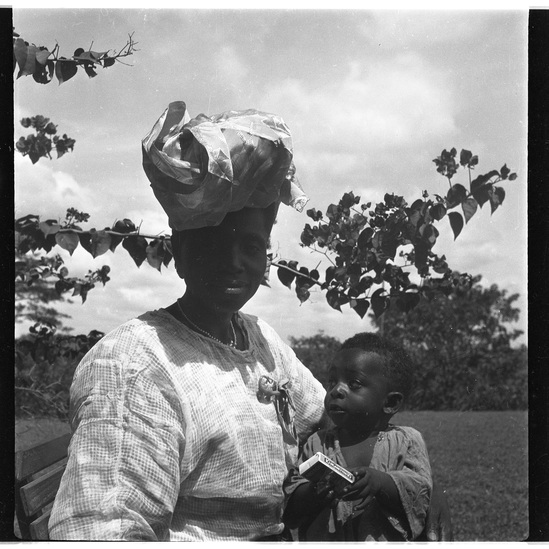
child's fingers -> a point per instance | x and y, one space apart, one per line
359 473
358 492
358 486
363 504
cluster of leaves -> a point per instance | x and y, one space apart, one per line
362 243
38 145
44 366
43 64
33 235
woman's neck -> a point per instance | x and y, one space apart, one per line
216 322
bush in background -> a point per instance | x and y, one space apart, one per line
44 367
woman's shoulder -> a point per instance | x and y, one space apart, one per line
135 327
261 332
254 323
138 335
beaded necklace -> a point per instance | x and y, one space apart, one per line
231 343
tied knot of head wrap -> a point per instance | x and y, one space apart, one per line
202 168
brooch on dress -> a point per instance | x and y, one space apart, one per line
277 392
267 389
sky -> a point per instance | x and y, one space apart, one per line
371 97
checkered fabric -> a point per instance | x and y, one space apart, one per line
170 441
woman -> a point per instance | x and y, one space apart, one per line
186 419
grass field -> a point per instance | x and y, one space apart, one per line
479 458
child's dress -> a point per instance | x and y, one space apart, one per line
400 452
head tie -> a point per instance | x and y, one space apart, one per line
202 168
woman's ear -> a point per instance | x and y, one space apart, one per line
393 402
177 244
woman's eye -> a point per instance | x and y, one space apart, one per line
253 248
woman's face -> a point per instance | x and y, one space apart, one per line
223 266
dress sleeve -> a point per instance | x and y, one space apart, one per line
294 479
414 483
123 474
308 397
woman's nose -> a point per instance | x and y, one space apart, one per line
232 257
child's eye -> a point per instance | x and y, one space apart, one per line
355 384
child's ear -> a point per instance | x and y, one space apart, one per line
393 402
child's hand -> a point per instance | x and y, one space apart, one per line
367 485
326 490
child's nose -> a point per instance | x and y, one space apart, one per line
338 390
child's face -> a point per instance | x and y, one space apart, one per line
357 388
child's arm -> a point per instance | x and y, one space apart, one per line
305 501
371 484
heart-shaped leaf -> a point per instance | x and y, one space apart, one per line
20 52
137 248
334 300
154 253
456 222
482 194
100 243
302 290
67 240
469 208
380 302
167 254
65 69
361 307
456 195
437 211
496 198
285 276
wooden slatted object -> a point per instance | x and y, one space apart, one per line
38 472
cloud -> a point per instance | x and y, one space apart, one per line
375 106
44 191
230 66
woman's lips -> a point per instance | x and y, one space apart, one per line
234 290
233 287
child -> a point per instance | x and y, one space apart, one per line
368 379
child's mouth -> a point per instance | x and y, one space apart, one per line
335 409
